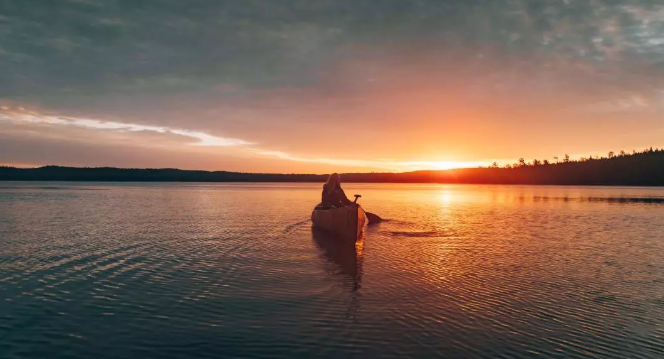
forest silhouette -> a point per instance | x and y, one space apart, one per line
645 168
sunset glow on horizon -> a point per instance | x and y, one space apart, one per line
21 116
334 87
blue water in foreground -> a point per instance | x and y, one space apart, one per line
98 270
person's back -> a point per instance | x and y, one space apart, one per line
333 195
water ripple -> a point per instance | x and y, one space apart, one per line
169 271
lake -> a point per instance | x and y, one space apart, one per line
172 270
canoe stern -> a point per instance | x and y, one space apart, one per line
346 222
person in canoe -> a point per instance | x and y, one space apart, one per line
333 195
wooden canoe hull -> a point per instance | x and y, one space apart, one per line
345 222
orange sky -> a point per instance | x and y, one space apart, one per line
321 95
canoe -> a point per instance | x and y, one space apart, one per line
347 223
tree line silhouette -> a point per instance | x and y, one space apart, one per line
645 168
566 159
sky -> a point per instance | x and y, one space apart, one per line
327 86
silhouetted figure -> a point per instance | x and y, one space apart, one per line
333 195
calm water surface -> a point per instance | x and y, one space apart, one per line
97 270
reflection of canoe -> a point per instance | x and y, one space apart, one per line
345 257
345 264
346 222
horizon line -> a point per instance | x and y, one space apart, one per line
522 163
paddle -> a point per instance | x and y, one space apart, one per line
372 218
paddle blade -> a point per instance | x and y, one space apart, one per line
372 218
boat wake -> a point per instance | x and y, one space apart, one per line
427 234
616 200
293 226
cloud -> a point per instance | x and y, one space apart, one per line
406 79
23 116
376 164
631 103
203 139
99 47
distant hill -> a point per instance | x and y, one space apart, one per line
637 169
